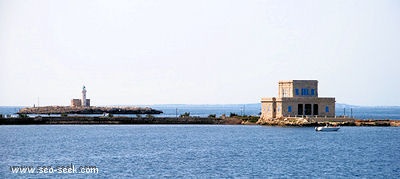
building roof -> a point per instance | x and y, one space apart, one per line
291 81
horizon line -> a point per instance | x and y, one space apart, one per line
198 104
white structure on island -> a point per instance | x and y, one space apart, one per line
81 102
84 103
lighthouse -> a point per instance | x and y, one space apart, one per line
84 103
81 102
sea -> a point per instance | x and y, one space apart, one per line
199 151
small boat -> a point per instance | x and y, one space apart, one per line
327 128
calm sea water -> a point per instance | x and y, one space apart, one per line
206 151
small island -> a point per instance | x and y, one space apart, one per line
88 110
82 106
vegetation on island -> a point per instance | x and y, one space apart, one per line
245 118
233 114
186 114
251 119
149 116
23 115
212 116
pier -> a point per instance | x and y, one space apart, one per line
116 120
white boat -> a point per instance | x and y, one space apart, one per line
327 128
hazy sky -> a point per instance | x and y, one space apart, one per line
201 52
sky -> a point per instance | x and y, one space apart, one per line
130 52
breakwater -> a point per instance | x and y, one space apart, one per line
237 120
116 120
88 110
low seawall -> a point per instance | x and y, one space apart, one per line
116 120
299 122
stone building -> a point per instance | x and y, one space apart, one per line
81 102
76 102
297 98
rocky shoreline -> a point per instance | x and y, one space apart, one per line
88 110
312 122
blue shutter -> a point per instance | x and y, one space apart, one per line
289 109
326 109
297 91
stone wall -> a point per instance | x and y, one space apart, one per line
267 107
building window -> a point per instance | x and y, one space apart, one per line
327 109
307 109
300 109
297 91
289 109
305 91
285 92
315 109
313 92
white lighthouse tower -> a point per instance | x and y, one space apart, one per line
84 104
